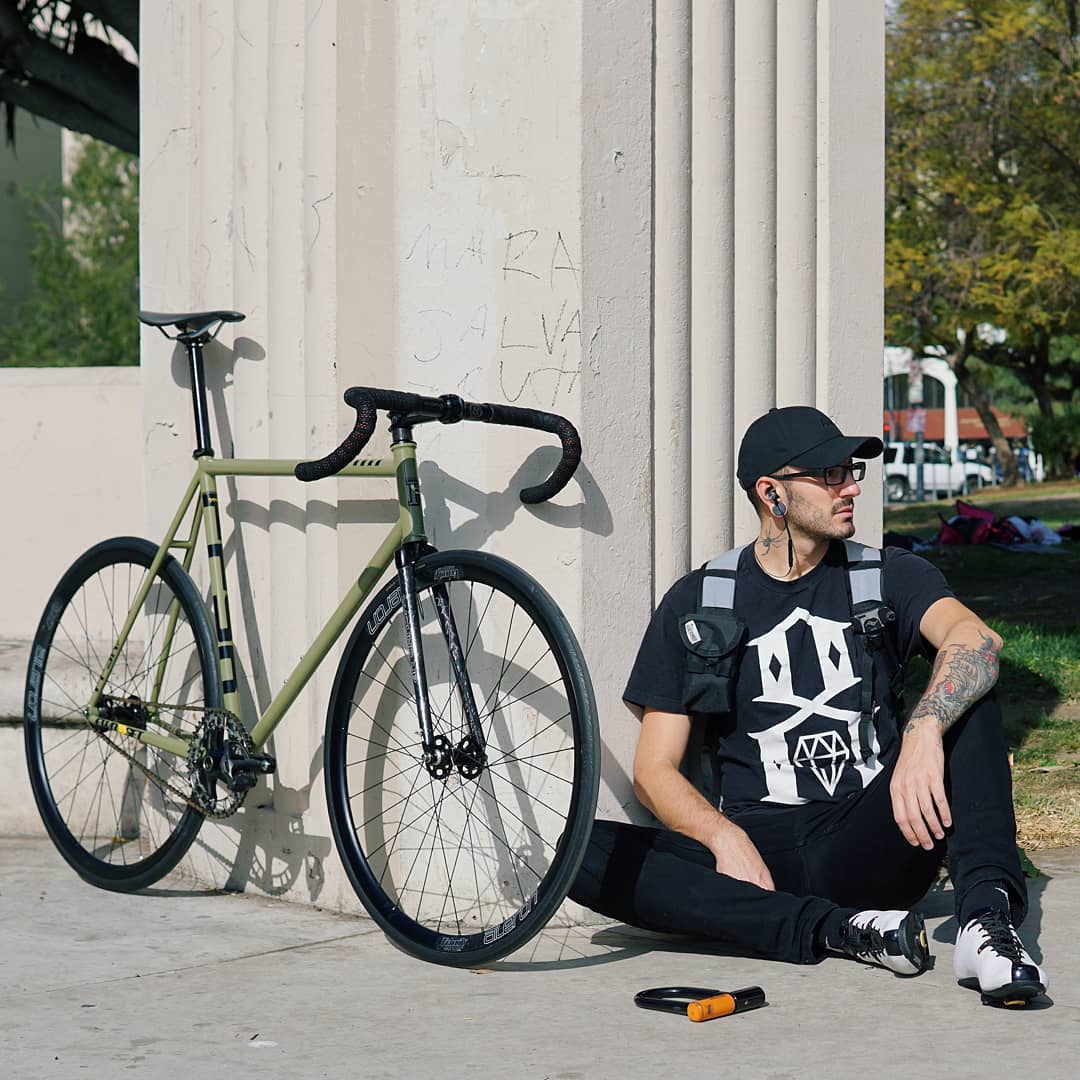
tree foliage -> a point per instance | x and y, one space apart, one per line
983 190
69 61
84 296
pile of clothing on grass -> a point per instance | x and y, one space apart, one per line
973 525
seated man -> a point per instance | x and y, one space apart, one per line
833 820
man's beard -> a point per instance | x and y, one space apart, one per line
820 523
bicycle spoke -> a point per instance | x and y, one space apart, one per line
407 691
454 850
512 752
111 800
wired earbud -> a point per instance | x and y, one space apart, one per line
779 509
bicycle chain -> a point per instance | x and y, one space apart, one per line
221 714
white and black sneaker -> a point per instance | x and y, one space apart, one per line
991 957
891 939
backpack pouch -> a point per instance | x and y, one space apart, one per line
713 640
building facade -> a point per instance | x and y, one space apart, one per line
657 219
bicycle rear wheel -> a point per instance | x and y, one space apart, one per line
114 806
463 869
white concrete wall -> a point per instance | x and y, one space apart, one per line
395 195
72 452
71 443
465 197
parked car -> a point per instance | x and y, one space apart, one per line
944 474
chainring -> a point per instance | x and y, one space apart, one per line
212 797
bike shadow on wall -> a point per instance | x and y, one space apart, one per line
493 511
265 844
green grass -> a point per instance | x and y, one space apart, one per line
1056 504
1039 659
1038 664
1033 602
1048 741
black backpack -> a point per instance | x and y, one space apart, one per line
713 637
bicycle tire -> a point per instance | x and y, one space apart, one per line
497 872
117 827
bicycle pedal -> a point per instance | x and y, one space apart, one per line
258 764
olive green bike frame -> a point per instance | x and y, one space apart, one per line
200 501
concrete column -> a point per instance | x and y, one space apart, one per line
239 178
940 370
713 276
796 201
169 147
755 225
616 486
672 493
850 190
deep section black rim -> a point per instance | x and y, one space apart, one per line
462 865
104 813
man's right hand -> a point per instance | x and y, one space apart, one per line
661 788
737 857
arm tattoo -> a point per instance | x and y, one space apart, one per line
960 677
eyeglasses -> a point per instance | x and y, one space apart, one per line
833 475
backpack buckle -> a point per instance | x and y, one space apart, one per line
871 624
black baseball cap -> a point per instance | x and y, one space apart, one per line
798 435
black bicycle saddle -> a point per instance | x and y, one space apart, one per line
191 324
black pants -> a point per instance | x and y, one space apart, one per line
821 856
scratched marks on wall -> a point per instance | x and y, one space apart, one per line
500 302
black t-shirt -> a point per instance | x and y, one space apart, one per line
792 736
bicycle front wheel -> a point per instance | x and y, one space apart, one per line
463 868
114 806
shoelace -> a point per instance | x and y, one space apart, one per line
999 935
863 940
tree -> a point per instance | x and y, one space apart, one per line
82 306
983 192
64 60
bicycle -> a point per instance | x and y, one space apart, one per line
461 753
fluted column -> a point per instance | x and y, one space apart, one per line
672 491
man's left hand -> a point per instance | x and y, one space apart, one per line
920 808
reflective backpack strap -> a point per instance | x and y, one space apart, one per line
717 591
864 574
864 595
718 580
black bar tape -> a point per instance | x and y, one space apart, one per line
541 421
366 400
393 401
337 459
448 409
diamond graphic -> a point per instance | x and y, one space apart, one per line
834 655
775 667
825 755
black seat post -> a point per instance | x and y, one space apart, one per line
203 447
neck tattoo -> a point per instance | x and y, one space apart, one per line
768 540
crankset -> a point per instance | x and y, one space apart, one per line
223 765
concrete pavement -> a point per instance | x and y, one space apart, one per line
182 982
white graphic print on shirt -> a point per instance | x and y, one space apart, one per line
824 754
